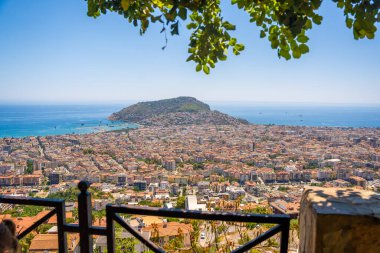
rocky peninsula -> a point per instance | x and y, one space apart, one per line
174 111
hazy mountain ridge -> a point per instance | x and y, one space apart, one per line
174 111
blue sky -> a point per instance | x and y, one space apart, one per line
52 53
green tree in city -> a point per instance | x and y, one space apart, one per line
98 215
125 245
71 194
25 242
294 225
88 151
284 23
150 203
75 214
214 229
24 211
180 202
29 167
272 243
43 228
259 210
244 238
283 188
194 234
175 243
98 194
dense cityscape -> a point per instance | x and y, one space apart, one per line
243 168
189 126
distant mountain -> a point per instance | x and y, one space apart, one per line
174 111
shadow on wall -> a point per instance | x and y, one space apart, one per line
339 220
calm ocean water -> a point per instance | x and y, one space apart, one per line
306 115
33 120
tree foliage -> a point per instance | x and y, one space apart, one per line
150 203
29 167
283 22
24 211
71 194
124 244
25 242
180 202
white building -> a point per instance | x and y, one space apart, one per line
191 203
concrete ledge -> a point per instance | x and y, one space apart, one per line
334 220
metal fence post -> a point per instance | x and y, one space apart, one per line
61 221
110 230
284 236
85 218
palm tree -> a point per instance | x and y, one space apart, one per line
155 233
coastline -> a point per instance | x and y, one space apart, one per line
23 121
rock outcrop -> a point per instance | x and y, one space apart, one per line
175 111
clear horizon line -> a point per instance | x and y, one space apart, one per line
217 102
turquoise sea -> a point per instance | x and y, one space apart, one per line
36 120
41 120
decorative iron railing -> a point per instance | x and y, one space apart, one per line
86 229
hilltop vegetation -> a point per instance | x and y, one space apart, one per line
144 110
174 111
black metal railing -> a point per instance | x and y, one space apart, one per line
58 209
86 229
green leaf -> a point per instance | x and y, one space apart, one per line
228 26
370 35
192 26
182 13
302 38
285 54
296 53
317 19
349 22
206 69
303 48
92 9
274 43
308 24
125 4
190 58
222 57
232 42
239 47
174 29
283 22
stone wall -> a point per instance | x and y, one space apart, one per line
334 220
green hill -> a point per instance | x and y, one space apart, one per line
175 111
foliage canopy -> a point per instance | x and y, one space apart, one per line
283 22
